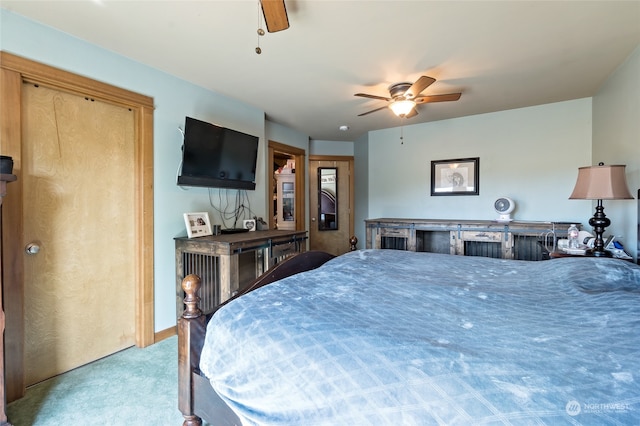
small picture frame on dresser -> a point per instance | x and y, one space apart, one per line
459 176
198 224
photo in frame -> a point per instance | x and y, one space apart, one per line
455 177
198 224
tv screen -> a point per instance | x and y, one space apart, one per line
217 157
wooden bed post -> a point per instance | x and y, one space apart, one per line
190 321
353 242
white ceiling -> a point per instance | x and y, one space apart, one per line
499 54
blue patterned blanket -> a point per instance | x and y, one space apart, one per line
384 337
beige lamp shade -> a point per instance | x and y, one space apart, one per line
601 183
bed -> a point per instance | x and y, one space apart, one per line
391 337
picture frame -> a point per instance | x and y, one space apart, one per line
460 176
198 224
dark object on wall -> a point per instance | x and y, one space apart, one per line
460 176
6 165
217 157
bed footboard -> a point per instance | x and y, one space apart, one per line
191 331
196 398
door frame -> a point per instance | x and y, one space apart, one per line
14 71
352 195
299 187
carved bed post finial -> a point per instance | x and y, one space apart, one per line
192 421
191 285
353 241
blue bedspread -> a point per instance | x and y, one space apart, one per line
384 337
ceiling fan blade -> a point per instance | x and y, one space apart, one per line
275 15
437 98
373 110
412 113
364 95
417 87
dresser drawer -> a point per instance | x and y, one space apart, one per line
395 232
496 237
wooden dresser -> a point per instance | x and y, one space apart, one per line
507 240
227 262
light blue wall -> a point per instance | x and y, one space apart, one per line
616 140
278 133
530 155
361 173
320 147
174 99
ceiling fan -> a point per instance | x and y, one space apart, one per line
404 97
275 15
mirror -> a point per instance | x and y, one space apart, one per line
327 198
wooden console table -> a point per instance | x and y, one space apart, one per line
227 262
507 240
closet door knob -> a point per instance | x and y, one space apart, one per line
32 248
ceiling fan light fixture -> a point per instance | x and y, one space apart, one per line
402 108
405 97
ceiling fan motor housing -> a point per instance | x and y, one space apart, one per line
398 89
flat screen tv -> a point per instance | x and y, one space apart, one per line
217 157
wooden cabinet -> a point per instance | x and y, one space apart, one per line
226 263
506 240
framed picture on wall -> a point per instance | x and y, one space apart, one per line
455 177
198 224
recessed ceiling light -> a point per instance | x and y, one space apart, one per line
344 128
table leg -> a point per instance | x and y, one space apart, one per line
229 275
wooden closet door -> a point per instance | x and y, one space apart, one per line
78 171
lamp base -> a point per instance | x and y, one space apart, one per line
599 222
603 253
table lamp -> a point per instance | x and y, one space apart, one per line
601 183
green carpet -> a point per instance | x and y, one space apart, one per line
132 387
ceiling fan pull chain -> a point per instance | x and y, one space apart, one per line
401 132
260 30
